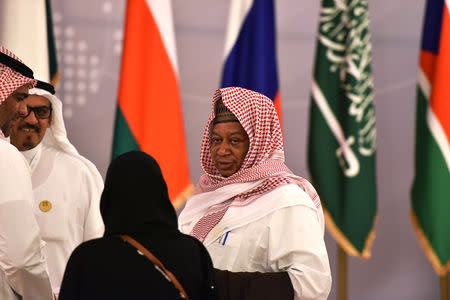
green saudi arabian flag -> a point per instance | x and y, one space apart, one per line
342 136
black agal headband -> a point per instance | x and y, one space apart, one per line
45 86
15 65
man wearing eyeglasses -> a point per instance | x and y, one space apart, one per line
29 129
66 186
23 273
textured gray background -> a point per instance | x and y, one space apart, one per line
89 36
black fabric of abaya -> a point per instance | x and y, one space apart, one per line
135 201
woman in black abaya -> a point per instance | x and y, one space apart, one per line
135 202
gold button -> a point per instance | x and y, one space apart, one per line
45 205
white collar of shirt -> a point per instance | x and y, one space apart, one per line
32 156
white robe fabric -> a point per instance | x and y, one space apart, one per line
22 258
282 231
73 186
74 216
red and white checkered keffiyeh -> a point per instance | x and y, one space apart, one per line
11 80
264 160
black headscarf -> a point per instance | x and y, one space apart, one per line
135 200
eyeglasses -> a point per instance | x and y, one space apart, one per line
40 112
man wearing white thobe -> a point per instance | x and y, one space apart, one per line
66 186
23 269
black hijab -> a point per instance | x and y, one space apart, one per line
135 200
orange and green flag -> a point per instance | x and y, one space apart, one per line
149 113
430 197
342 136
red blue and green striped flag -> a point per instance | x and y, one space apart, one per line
430 197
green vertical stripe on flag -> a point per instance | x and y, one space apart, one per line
53 63
123 140
342 136
431 191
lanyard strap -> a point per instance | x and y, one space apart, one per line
158 263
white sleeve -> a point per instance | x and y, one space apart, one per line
21 250
296 245
93 223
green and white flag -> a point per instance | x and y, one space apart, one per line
342 137
26 28
51 47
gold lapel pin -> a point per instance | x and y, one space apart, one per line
45 205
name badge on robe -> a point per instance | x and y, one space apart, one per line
45 205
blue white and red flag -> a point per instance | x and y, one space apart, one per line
250 49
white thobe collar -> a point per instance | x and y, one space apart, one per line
32 156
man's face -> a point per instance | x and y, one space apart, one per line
27 132
12 107
229 146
